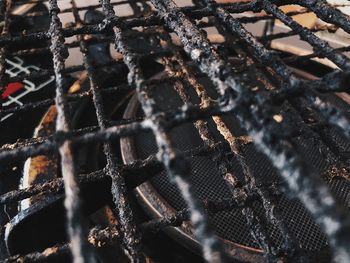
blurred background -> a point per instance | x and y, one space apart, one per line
308 19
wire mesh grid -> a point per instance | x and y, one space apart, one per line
178 28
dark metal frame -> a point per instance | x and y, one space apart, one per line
158 207
303 183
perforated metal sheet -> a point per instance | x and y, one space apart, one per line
209 184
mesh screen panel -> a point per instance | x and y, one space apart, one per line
209 185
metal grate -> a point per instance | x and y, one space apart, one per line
186 54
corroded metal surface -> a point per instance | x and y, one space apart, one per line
257 107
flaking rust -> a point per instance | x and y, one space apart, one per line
335 172
103 237
204 56
43 167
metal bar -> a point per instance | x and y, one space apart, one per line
258 231
130 235
40 145
319 45
302 182
290 85
103 237
5 7
125 23
327 13
72 202
252 110
175 164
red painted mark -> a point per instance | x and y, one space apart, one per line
12 88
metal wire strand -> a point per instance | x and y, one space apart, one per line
252 109
302 182
72 202
176 166
131 237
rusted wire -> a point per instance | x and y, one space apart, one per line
282 156
254 112
176 166
72 191
258 231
